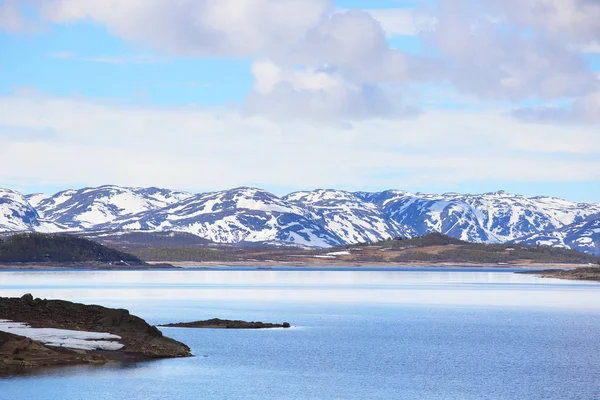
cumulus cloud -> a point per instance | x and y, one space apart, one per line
290 34
197 27
486 52
573 20
319 94
492 50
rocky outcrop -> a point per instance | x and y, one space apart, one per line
217 323
140 340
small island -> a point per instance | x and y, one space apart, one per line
217 323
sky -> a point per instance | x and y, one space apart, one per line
431 96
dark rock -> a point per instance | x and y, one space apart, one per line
27 298
217 323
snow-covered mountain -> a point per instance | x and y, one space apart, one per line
583 236
17 214
319 218
489 218
348 216
90 207
233 216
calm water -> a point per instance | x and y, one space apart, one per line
356 335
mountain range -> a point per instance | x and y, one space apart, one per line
319 218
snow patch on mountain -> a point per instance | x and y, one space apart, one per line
348 216
16 214
90 207
234 216
582 236
488 218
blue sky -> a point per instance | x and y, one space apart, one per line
361 95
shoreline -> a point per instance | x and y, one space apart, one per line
183 265
382 265
542 270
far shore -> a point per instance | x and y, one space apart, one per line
342 263
178 265
85 266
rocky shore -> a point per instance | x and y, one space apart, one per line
217 323
577 274
139 340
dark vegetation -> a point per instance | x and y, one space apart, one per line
481 253
436 247
130 240
174 246
183 254
431 239
39 247
432 248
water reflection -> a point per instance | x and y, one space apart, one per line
487 288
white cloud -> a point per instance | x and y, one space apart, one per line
289 33
493 57
28 134
571 20
198 27
189 148
318 94
11 18
492 50
591 47
402 21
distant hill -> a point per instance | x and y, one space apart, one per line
40 247
436 248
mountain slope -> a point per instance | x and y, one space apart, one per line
583 236
348 216
16 214
233 216
488 218
89 207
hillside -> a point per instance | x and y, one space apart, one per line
431 249
438 248
38 247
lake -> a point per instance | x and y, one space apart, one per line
357 334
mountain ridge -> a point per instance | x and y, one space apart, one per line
319 218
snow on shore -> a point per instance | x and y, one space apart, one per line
62 337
